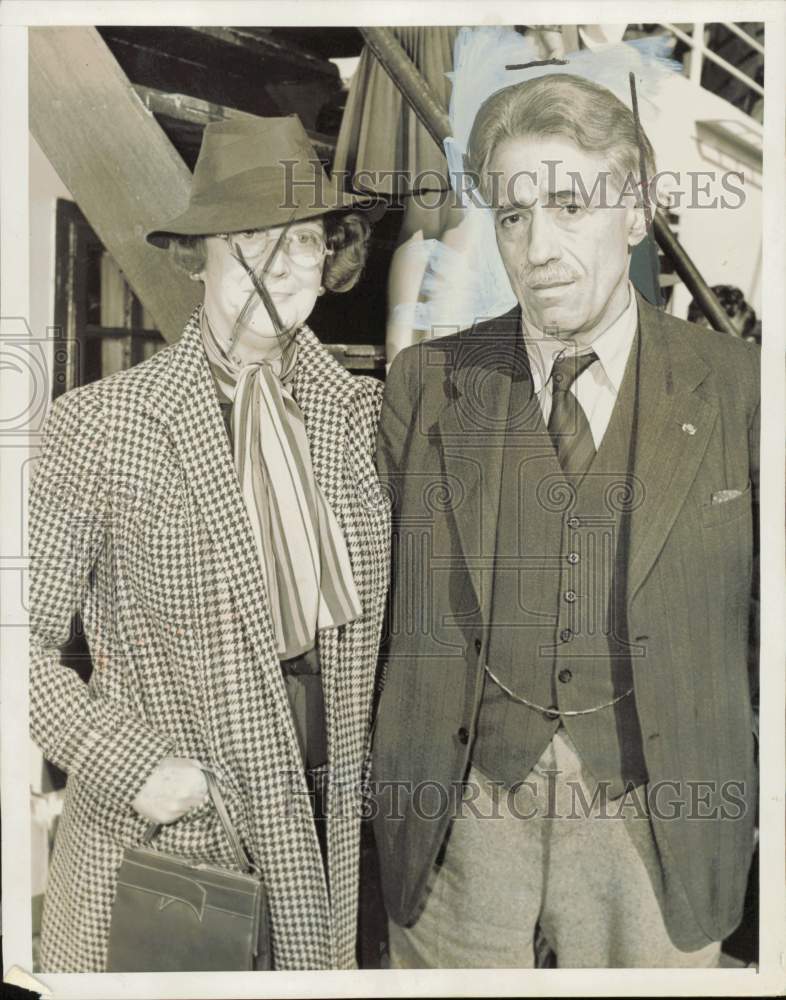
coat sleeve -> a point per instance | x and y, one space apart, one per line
364 418
100 743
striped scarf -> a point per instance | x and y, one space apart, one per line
301 548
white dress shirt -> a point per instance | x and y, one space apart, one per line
596 388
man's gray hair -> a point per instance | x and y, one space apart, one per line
563 105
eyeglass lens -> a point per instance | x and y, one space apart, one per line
304 247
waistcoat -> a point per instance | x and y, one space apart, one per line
557 632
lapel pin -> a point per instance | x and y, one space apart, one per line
689 429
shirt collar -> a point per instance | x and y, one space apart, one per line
612 347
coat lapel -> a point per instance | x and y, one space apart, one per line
472 430
323 390
199 436
190 406
673 428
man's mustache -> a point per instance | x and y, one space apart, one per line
538 276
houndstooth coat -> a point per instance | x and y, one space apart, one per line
137 521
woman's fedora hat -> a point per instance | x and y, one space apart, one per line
255 174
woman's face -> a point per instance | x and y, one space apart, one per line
293 279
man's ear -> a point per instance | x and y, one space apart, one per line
637 225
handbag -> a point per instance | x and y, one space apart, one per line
171 915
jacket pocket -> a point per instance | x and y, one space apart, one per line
715 514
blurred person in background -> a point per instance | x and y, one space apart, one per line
742 315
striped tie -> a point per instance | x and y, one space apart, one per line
568 425
301 547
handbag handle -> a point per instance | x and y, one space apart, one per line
241 858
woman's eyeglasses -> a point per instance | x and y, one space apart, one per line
304 247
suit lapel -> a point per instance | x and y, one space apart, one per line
672 431
472 431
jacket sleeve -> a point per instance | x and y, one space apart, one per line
754 430
397 414
99 742
395 424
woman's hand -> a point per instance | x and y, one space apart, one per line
176 786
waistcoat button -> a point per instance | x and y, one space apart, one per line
565 675
478 645
551 713
463 735
566 635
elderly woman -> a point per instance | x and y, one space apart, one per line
213 516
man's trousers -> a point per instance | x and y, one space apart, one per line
547 853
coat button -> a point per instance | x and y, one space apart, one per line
573 522
551 713
565 675
573 558
463 735
478 645
566 635
570 596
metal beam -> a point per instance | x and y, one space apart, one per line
405 75
691 276
754 43
114 158
697 45
185 108
262 44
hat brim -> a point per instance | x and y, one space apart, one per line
242 214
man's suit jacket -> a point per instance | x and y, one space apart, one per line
689 583
137 520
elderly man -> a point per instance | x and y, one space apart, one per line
565 734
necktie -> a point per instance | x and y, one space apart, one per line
568 425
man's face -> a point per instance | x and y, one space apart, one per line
564 246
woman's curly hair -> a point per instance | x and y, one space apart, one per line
346 234
189 253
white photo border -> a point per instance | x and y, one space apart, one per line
770 978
